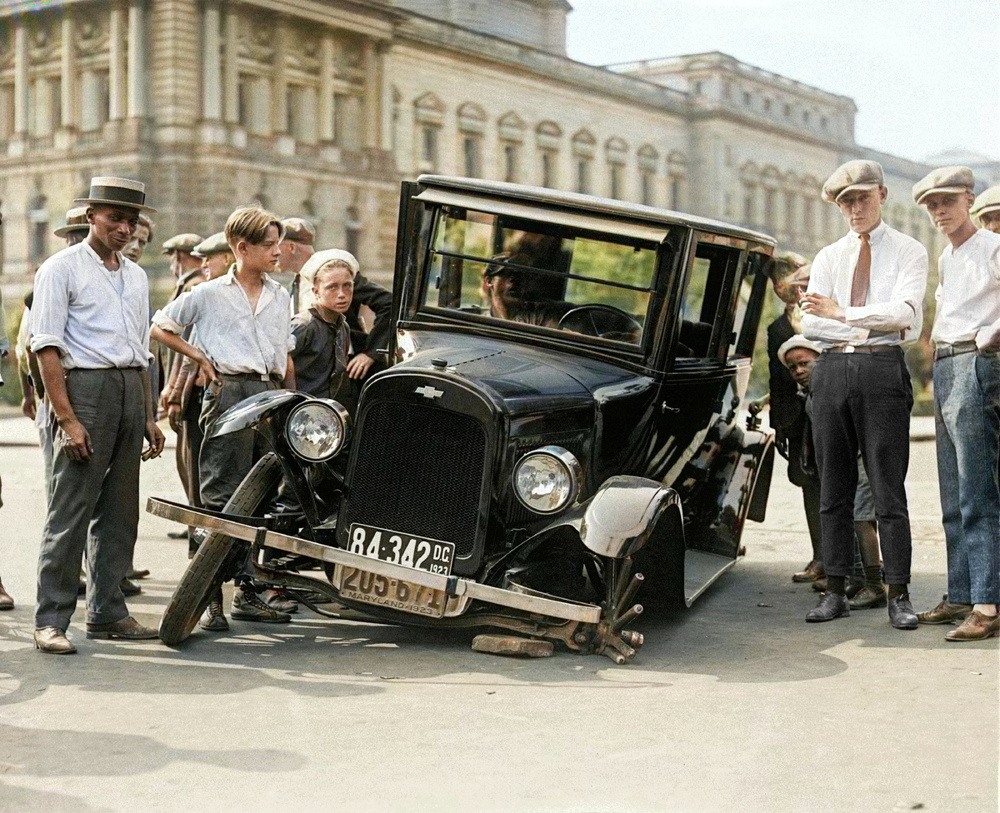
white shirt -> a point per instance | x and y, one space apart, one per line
968 296
235 338
94 320
896 289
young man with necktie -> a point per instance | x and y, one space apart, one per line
865 298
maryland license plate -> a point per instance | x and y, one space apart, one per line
393 594
430 555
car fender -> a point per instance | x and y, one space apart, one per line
253 410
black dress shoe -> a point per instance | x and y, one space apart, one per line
901 613
831 605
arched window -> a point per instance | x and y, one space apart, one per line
511 131
677 176
548 138
616 152
428 117
471 125
584 146
649 159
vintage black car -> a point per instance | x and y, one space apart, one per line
562 430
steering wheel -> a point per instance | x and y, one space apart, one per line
603 321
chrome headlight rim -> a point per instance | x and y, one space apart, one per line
339 413
569 463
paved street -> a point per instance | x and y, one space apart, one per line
736 705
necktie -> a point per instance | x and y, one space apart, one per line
862 272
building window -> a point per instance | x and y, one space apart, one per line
748 213
548 169
809 217
472 156
429 146
96 100
677 172
347 121
511 132
648 160
429 117
6 110
352 231
583 175
548 136
510 162
583 153
728 204
38 228
770 205
616 153
471 126
615 178
647 183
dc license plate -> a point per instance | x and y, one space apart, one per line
431 555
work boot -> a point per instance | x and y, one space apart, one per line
53 641
247 606
278 600
6 599
214 619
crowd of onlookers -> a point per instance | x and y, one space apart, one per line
98 371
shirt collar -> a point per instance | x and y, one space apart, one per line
874 235
230 278
97 257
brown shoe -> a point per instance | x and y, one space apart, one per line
128 629
975 627
820 585
868 597
945 613
6 599
53 641
813 571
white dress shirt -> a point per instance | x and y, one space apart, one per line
236 338
968 296
96 318
894 309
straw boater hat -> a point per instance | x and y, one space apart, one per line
76 220
116 192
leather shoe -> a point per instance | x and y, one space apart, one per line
811 572
975 627
53 641
6 599
901 614
276 600
830 606
945 613
138 574
868 597
128 629
247 606
214 619
820 585
130 588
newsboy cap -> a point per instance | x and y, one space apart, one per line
798 342
214 244
116 192
299 230
987 202
182 242
850 176
76 220
946 180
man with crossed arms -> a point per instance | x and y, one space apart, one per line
865 298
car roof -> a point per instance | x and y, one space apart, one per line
592 204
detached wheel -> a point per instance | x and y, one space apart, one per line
219 555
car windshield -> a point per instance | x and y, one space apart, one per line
550 276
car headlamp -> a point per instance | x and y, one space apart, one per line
318 430
547 479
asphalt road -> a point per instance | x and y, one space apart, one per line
735 705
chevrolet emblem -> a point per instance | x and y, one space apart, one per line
429 392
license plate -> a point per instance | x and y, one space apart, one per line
394 594
430 555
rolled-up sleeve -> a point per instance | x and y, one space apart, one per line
49 310
175 316
901 312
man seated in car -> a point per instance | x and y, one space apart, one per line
508 293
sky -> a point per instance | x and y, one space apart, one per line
924 74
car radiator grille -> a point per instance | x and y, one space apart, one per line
419 471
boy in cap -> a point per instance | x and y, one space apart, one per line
90 320
865 298
966 336
986 209
140 239
242 326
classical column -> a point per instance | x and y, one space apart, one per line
136 59
231 66
373 95
67 71
211 64
279 82
116 57
21 87
327 71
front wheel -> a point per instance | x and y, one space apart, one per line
218 554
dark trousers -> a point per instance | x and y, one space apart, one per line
188 453
861 402
93 504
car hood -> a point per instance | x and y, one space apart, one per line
524 378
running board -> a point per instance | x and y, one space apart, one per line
700 570
451 585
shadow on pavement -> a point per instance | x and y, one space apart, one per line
14 800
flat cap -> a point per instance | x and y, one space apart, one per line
945 180
987 202
215 244
299 230
798 342
850 176
76 220
182 242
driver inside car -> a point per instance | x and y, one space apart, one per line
507 293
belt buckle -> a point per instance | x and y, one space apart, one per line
849 348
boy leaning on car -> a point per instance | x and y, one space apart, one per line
243 326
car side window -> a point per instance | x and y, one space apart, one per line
701 305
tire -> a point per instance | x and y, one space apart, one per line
218 554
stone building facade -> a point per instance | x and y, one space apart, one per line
320 107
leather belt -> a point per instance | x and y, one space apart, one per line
943 351
864 348
250 376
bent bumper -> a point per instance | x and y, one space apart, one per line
450 585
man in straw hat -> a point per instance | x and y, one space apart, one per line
865 298
90 320
966 336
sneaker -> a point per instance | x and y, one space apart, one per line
278 600
247 606
214 619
